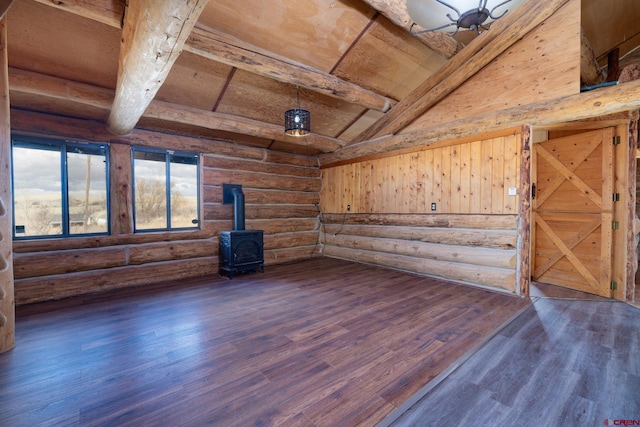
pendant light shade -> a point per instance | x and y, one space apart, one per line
452 15
297 122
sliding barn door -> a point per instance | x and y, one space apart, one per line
573 211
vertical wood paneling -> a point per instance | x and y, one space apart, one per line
412 205
497 176
400 185
379 174
437 179
393 186
455 181
470 177
511 175
421 183
476 176
365 189
486 175
465 178
388 199
430 173
445 180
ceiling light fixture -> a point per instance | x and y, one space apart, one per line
297 122
435 15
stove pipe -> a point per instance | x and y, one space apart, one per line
232 193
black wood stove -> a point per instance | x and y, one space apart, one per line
240 250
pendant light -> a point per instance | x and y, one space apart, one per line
297 122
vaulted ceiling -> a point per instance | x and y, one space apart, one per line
229 70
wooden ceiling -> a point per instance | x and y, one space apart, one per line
229 70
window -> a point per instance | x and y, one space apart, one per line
60 188
166 190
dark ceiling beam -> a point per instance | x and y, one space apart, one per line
153 36
28 82
476 55
396 12
596 103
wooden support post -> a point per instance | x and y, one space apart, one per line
523 269
632 236
7 306
121 189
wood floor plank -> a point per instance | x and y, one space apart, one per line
561 362
323 342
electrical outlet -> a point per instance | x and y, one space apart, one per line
433 206
348 208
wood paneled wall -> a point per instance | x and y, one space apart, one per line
470 237
468 178
281 198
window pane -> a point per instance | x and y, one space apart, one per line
150 190
87 187
37 186
184 192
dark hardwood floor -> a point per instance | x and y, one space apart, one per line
561 363
317 343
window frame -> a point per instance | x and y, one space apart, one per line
61 146
167 163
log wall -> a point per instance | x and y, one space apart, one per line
470 237
281 198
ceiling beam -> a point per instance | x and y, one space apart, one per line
396 12
153 35
596 103
221 48
108 12
476 55
53 87
240 125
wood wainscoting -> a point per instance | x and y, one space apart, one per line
323 342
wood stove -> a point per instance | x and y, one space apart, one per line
240 250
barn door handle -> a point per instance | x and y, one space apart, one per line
533 191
